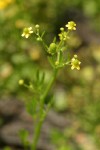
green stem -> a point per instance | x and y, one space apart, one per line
37 131
49 85
41 115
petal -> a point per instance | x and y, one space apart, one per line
73 59
74 28
66 25
72 67
30 31
27 35
78 68
30 28
23 34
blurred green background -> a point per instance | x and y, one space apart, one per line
76 92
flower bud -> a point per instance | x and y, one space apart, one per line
52 48
39 39
21 82
37 26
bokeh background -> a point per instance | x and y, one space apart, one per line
76 93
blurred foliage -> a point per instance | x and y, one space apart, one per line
20 58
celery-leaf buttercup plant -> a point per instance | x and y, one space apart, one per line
57 59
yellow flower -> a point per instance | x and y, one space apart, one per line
71 25
4 3
63 36
9 1
75 63
21 82
26 32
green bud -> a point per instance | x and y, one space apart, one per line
21 82
57 63
62 29
52 48
39 39
37 26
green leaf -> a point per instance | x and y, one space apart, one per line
42 78
37 75
23 134
61 57
42 34
54 40
31 107
51 61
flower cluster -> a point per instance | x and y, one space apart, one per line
75 63
71 25
27 32
55 49
63 36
